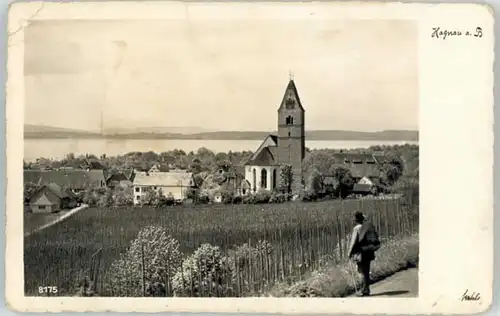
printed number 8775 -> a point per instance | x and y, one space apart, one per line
47 289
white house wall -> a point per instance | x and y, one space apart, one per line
178 192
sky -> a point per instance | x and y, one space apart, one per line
221 74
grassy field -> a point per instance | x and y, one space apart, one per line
302 232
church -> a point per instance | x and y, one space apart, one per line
287 147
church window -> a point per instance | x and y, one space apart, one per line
254 180
289 120
288 134
263 179
274 179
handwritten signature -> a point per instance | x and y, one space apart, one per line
439 33
470 296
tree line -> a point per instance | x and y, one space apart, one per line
319 167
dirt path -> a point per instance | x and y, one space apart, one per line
57 220
401 284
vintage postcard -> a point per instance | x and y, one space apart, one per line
250 157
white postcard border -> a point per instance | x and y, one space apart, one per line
456 148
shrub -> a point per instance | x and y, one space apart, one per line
205 273
277 197
237 199
285 179
123 196
262 196
227 196
162 259
307 195
106 200
203 197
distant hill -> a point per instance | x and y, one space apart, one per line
36 131
42 131
157 130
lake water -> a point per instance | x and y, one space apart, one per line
58 148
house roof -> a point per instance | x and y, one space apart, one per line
164 179
57 190
361 188
354 158
380 157
364 170
55 193
47 197
121 175
74 179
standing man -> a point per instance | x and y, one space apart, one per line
364 243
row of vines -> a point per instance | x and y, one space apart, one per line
215 250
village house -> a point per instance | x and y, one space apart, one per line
225 181
366 170
121 178
159 168
76 180
51 198
171 183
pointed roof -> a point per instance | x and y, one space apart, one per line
291 88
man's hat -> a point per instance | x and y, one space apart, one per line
359 216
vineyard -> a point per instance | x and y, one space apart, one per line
262 244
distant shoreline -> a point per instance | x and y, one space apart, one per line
411 136
221 139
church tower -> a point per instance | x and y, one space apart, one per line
291 133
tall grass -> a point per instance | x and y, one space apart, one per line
303 237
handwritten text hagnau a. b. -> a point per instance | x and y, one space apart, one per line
440 33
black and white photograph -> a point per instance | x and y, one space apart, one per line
255 155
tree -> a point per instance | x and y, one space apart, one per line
107 199
29 189
321 160
207 272
314 182
123 196
393 170
285 178
151 197
346 181
161 256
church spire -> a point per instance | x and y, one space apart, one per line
291 97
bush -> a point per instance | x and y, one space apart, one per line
203 197
227 196
162 260
123 196
205 273
237 199
277 197
307 195
262 196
